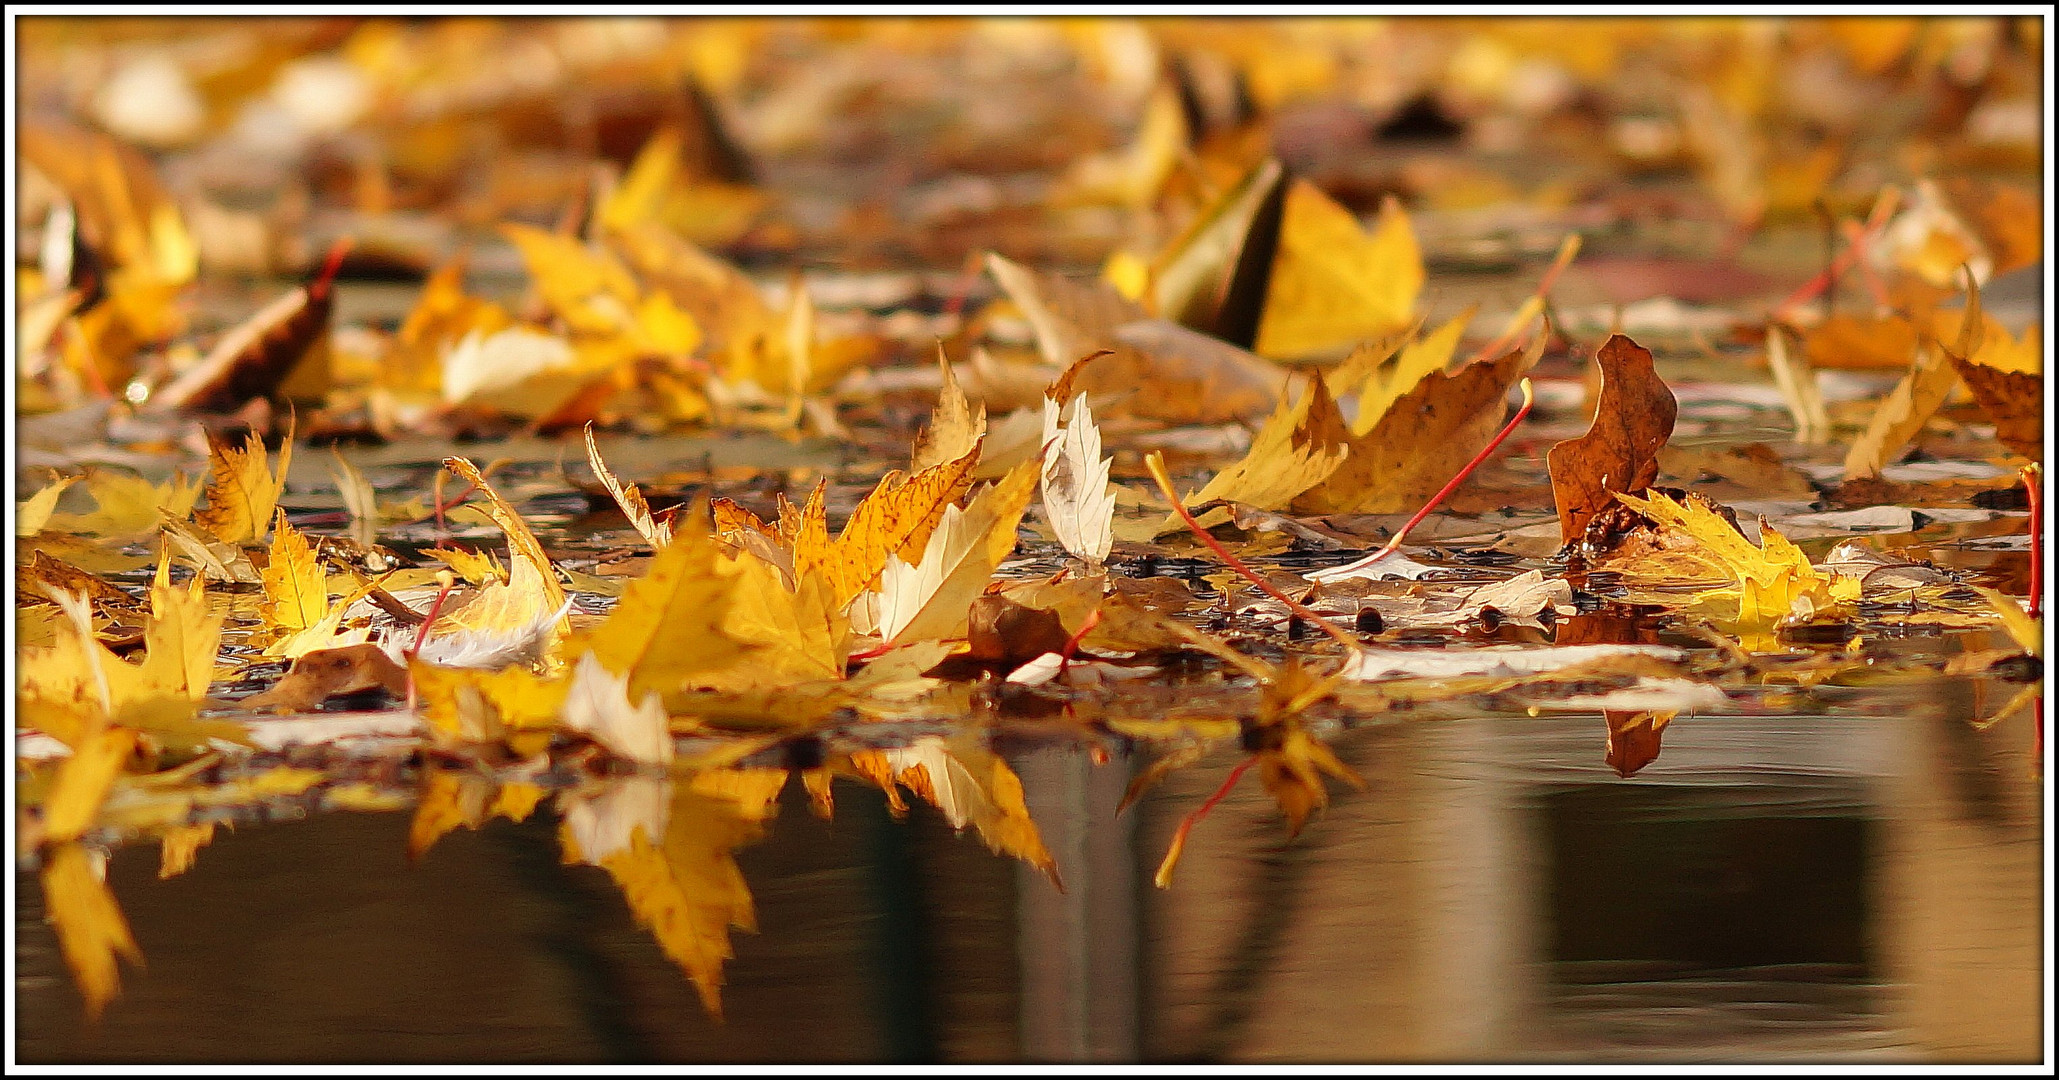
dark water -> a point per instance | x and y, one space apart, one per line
1795 888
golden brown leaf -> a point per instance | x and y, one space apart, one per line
242 490
1620 452
1422 441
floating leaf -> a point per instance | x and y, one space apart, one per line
1633 418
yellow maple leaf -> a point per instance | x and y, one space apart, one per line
179 637
242 490
1333 285
794 634
91 931
895 519
442 316
296 588
928 599
127 506
1774 578
668 625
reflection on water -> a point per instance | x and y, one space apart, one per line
1814 888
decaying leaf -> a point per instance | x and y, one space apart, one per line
1633 418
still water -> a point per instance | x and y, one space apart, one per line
1826 888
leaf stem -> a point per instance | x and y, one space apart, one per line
1155 461
2033 476
1393 545
1179 837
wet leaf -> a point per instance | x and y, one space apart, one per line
1620 452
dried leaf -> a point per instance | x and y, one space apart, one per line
655 533
954 428
1903 413
1078 501
1299 447
1633 418
895 519
1422 441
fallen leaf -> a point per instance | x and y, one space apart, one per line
1299 447
1633 418
597 704
242 489
895 519
928 599
1902 413
2014 400
1074 483
1422 441
33 513
295 586
654 532
1334 285
668 625
320 674
953 429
